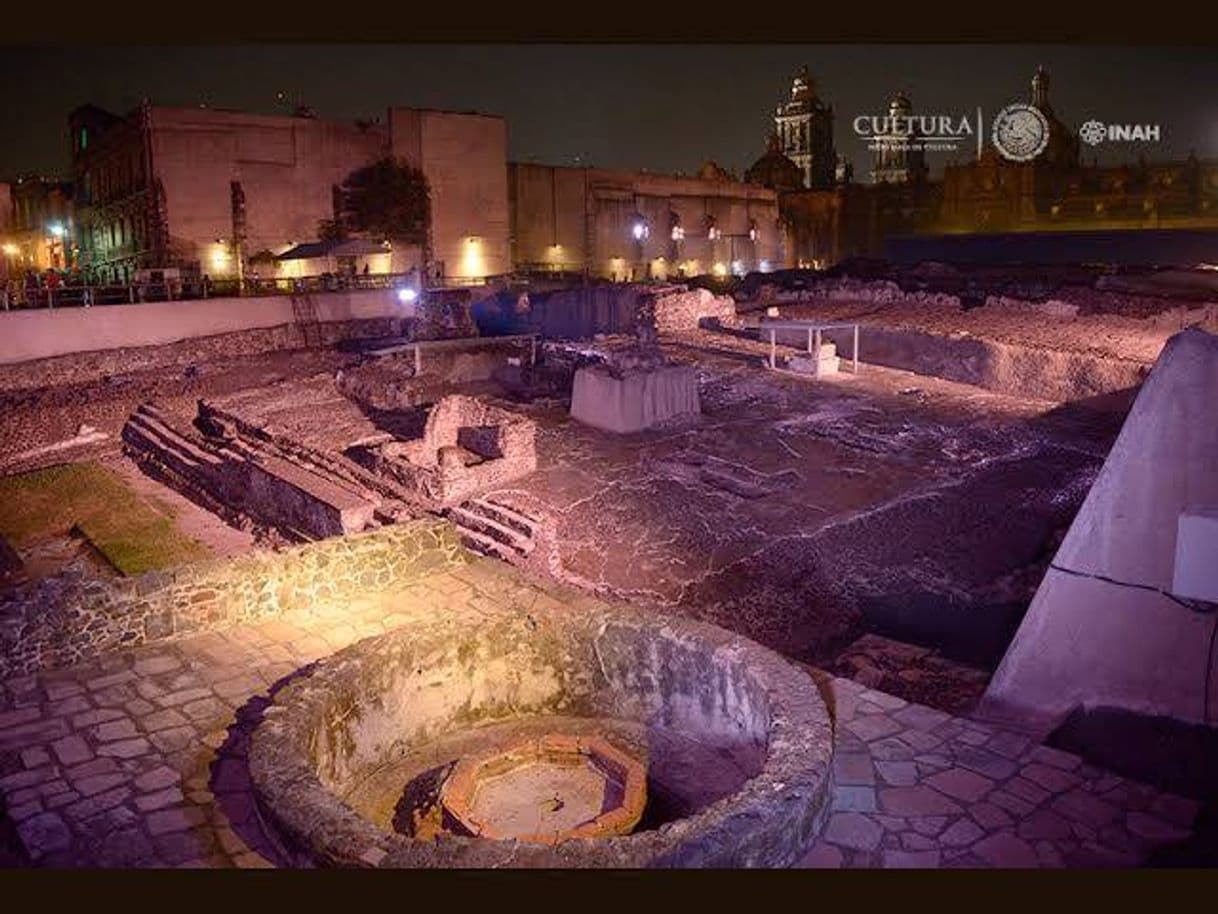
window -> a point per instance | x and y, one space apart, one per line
84 139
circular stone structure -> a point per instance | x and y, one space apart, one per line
724 744
546 790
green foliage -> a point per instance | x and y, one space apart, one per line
388 199
133 534
331 230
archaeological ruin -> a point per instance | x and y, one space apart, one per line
803 569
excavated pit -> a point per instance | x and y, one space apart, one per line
713 751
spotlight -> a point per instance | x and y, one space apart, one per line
407 296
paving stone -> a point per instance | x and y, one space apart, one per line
162 720
1010 803
123 728
154 665
205 710
920 741
911 859
128 748
14 718
1083 807
28 778
1044 824
854 830
61 799
1005 849
18 812
912 841
98 783
823 856
239 687
177 847
157 779
961 833
1026 790
94 766
961 784
984 762
920 717
178 818
898 774
1009 745
916 801
173 739
102 683
182 696
928 825
160 799
91 806
125 847
1055 757
884 700
95 717
77 704
34 733
138 707
1054 780
35 757
892 823
890 749
852 768
44 833
71 750
973 737
61 688
854 799
873 727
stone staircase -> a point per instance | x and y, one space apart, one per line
494 529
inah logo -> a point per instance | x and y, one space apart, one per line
1021 132
1092 133
1095 132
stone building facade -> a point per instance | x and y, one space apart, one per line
36 222
157 188
625 225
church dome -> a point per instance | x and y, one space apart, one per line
774 170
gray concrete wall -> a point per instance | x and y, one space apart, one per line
40 334
1089 641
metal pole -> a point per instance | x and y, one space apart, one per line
817 356
856 348
773 348
809 341
418 360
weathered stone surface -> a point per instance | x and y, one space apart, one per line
853 830
917 801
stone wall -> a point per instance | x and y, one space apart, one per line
79 367
467 446
68 619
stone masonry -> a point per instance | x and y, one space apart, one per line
60 621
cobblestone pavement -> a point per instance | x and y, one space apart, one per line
139 759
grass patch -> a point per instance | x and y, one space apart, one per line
132 535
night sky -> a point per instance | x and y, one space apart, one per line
660 107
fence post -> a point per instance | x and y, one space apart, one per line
856 348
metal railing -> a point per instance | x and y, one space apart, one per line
16 295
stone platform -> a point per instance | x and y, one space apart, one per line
635 400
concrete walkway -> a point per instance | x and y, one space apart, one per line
139 759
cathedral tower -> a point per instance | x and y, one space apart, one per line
805 128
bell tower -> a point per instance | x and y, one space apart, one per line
804 125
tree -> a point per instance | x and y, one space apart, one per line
388 200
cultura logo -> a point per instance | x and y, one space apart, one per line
1095 132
